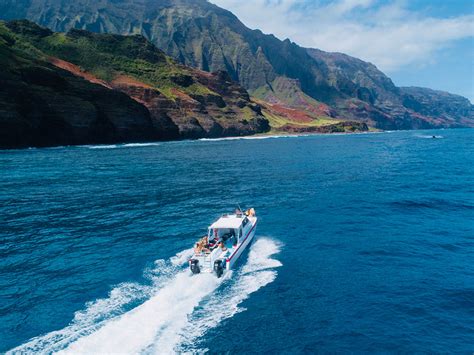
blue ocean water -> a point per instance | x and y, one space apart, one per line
365 243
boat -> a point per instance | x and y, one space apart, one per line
225 241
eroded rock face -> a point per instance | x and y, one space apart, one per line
440 106
200 115
43 106
374 98
62 102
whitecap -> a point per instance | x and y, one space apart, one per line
138 145
112 146
253 137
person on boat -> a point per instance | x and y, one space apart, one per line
223 247
250 212
205 244
197 248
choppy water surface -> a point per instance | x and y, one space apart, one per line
365 243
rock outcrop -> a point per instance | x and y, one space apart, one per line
42 105
83 88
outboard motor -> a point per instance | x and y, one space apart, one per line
194 265
218 268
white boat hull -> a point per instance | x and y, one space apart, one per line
224 258
242 247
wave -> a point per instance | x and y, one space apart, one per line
296 135
166 316
128 145
252 137
134 145
112 146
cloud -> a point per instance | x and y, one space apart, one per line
385 33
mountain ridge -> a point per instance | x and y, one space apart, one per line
202 35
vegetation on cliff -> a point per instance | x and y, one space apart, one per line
83 87
202 35
42 105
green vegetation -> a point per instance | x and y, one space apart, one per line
14 52
50 83
277 122
287 91
108 56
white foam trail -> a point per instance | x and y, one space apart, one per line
169 320
156 320
182 257
255 274
260 256
87 320
98 312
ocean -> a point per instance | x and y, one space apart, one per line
365 243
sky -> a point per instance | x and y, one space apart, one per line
426 43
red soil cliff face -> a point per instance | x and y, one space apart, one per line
227 111
74 69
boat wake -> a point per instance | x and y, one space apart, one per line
168 315
423 136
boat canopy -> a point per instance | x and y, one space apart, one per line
231 221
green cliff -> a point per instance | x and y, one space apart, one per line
81 87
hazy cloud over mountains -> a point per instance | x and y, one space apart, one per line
387 33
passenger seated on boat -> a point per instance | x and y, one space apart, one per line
202 246
222 245
198 248
205 244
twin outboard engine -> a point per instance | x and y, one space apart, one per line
218 267
194 265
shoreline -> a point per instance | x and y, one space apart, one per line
260 136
